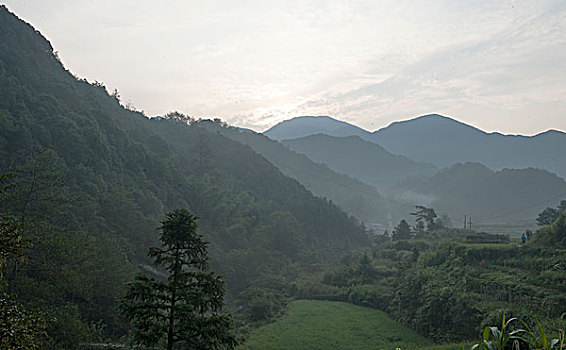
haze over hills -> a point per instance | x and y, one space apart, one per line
358 198
443 141
470 188
310 125
487 196
85 181
363 160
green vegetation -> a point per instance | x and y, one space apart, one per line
447 287
508 336
550 215
311 324
20 328
185 307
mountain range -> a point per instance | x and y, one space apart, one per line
442 141
492 177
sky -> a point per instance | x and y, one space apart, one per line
497 65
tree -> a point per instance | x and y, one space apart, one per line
402 231
548 216
428 215
181 308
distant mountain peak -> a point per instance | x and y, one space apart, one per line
432 120
551 132
309 125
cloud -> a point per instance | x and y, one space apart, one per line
365 61
506 73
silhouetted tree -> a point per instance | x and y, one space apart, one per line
184 309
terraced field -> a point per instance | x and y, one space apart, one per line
310 324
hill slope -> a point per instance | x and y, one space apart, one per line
488 196
359 159
359 199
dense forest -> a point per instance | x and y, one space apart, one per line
85 183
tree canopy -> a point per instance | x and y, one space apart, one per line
427 215
549 215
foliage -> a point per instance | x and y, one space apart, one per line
441 286
20 327
402 231
184 309
539 340
500 338
548 216
553 235
508 337
428 216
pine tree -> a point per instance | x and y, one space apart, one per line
181 310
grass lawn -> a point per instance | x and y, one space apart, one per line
313 324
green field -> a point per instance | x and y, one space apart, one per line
310 324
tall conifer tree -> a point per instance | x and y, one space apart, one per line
182 309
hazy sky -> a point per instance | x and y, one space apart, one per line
498 65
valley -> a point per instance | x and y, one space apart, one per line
314 234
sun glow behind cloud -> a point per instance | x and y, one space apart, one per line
498 65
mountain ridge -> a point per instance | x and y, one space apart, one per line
359 158
270 131
443 141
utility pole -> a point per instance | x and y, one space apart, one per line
470 222
465 221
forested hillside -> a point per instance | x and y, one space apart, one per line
92 180
486 195
359 199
